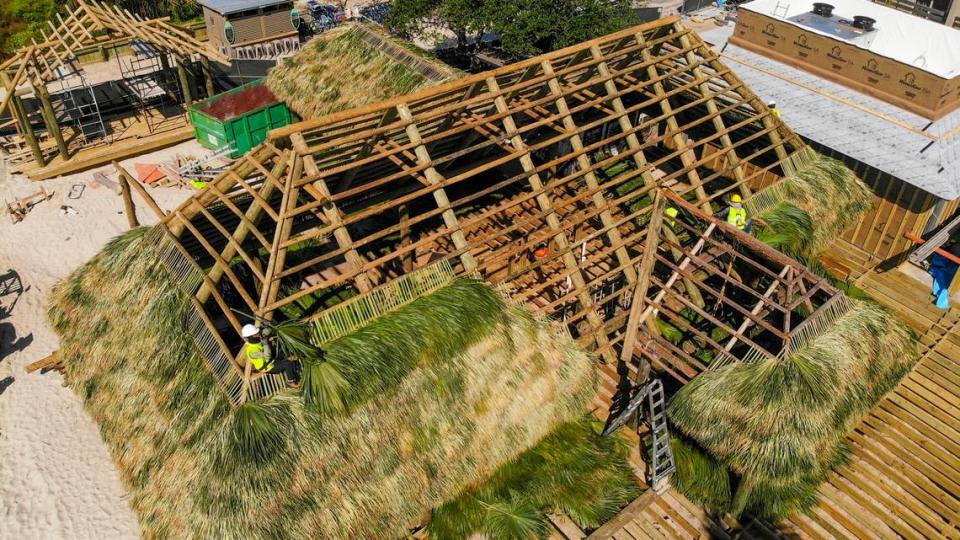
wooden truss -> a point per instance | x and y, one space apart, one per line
538 176
92 23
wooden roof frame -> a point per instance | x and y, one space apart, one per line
38 63
480 170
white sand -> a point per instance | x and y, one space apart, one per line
57 479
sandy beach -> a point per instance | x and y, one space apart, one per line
57 479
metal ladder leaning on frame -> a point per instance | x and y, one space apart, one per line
662 464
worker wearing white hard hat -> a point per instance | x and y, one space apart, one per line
260 356
773 108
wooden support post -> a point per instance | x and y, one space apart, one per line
405 239
19 112
623 119
639 301
718 123
50 119
439 195
128 203
689 161
185 82
207 75
333 216
559 236
147 198
692 290
593 184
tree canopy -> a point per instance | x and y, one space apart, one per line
526 27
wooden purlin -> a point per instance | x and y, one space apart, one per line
483 151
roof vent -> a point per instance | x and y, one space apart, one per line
863 23
822 9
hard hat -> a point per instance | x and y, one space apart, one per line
249 330
772 104
671 211
541 251
736 198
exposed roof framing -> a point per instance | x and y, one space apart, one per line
92 23
563 149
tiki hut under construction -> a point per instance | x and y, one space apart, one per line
463 254
352 65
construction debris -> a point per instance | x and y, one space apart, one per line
76 191
102 179
19 208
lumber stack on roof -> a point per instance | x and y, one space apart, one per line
352 65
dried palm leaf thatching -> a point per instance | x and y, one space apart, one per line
414 436
574 471
779 425
699 477
353 65
809 209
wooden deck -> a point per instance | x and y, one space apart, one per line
903 480
133 141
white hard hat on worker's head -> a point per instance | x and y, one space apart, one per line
249 330
772 104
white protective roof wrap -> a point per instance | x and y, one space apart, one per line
926 45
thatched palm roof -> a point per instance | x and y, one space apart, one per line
353 65
779 424
444 390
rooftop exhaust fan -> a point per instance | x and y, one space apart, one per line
822 9
863 23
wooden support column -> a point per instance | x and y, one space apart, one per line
440 195
333 215
689 161
128 203
718 123
278 255
19 113
405 239
593 183
50 119
559 236
692 290
623 119
185 83
147 198
639 301
207 75
243 229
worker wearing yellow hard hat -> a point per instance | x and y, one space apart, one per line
736 214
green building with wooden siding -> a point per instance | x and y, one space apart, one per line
239 23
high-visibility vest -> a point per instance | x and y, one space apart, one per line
198 184
259 356
737 217
671 216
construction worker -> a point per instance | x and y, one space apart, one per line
671 220
943 270
198 183
736 214
260 356
774 109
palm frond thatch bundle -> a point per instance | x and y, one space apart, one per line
574 471
342 69
779 425
826 191
422 433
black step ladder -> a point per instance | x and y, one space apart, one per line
661 453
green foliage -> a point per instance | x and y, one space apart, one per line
573 470
779 425
381 354
787 228
699 477
256 432
527 27
21 20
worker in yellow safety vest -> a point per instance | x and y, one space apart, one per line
261 358
736 214
671 213
774 109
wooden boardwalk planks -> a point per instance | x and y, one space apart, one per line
903 479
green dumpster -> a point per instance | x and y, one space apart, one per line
239 118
